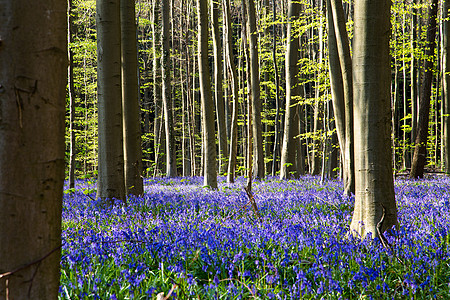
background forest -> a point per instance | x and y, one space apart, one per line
317 130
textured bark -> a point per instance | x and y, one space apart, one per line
111 182
375 208
258 151
171 164
71 92
33 72
420 149
445 87
209 136
288 166
234 88
218 88
345 62
130 101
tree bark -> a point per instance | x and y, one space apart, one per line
345 62
111 181
288 166
234 88
446 87
218 88
171 165
71 92
420 149
375 208
130 100
209 140
33 72
258 165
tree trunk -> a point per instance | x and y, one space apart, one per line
276 143
420 149
446 87
71 92
171 164
218 88
288 166
375 208
345 62
234 88
111 181
258 165
33 72
209 140
132 149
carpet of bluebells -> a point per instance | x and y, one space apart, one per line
204 244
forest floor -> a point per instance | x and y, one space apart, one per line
193 243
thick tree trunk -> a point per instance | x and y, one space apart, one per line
258 165
111 181
375 208
33 72
290 142
420 149
209 138
130 100
171 164
218 88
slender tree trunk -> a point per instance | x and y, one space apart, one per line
258 166
276 143
290 142
375 208
130 100
33 72
234 88
171 166
445 87
414 75
218 88
71 88
157 99
111 181
345 61
209 139
420 149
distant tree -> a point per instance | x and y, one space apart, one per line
130 100
420 147
209 138
446 87
375 208
342 88
258 164
291 124
111 181
171 163
218 87
33 72
234 88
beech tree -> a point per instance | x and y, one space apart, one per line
446 87
209 142
130 100
291 124
33 72
375 208
420 147
111 181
